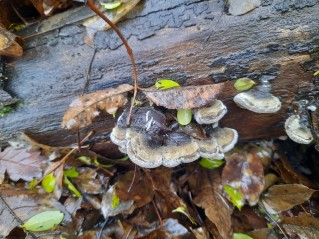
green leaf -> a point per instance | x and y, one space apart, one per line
98 164
184 116
183 211
241 236
166 84
71 187
316 73
211 163
115 201
6 110
85 159
244 84
33 183
235 196
48 182
43 221
111 5
71 173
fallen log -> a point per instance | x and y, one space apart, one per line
193 42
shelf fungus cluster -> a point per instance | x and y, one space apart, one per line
154 139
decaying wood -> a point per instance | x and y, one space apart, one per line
193 42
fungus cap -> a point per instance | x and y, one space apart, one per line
142 153
226 138
298 131
210 114
258 101
210 149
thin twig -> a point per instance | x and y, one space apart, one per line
18 14
91 5
88 73
63 160
157 212
133 180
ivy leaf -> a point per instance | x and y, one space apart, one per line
166 84
71 173
235 196
71 187
242 84
111 5
43 221
211 163
115 201
241 236
184 116
49 182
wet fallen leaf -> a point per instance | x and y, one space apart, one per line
245 173
283 197
205 186
188 97
8 44
184 116
83 110
43 221
302 232
166 84
25 204
20 164
242 84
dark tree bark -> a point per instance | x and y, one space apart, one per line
193 42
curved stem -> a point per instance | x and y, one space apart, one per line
91 5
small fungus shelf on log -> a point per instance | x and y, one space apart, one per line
192 42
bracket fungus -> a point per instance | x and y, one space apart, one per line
210 114
297 130
258 100
152 140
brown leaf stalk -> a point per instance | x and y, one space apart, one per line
91 5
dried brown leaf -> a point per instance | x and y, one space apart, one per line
206 187
283 197
25 204
302 232
83 110
244 172
141 192
20 164
8 45
87 181
188 97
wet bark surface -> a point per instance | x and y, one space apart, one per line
193 42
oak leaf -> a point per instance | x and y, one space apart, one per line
188 97
20 164
84 109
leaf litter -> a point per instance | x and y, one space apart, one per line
148 203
